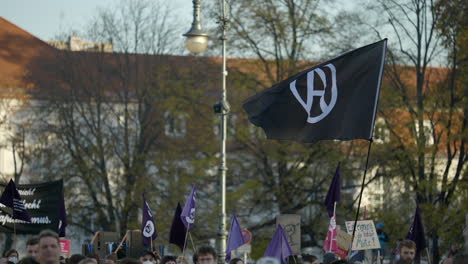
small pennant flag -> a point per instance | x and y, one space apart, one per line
11 198
188 213
178 231
148 229
334 192
279 246
331 244
334 100
416 232
235 238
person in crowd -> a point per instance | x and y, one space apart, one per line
129 261
309 259
75 258
206 255
32 247
12 255
95 257
147 257
49 248
407 252
88 261
28 260
111 259
236 261
329 257
383 238
169 260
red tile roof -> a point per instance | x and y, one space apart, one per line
17 49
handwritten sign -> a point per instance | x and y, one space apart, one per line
291 224
365 236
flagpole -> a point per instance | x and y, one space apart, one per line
360 196
331 237
185 242
428 256
193 244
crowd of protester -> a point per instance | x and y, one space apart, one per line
45 249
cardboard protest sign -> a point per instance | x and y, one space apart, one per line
344 241
365 236
292 227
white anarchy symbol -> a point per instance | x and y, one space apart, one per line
149 229
311 92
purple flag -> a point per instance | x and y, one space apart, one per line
334 193
148 230
235 238
11 198
416 232
279 247
62 218
178 231
188 214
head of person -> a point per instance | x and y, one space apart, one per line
407 251
147 257
28 260
206 255
32 246
329 257
111 259
236 261
76 258
49 247
379 226
310 259
88 261
12 255
169 260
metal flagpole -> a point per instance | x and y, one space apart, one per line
222 233
360 197
185 242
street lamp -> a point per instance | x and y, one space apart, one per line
196 42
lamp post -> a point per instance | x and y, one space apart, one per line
197 42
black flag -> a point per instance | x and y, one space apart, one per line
11 198
178 231
334 100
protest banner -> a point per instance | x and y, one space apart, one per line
42 202
365 236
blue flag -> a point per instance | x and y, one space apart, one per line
334 193
188 214
148 230
62 218
235 238
416 232
177 233
279 247
11 198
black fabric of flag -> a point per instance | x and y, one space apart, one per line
416 233
11 198
62 218
334 100
178 231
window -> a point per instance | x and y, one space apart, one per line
427 131
175 124
381 133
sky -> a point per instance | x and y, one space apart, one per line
46 19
